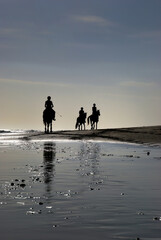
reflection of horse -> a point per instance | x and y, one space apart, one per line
49 164
93 119
81 122
48 116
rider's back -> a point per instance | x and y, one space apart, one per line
48 104
94 110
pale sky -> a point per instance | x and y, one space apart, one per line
80 52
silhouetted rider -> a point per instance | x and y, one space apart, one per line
81 112
81 119
49 105
94 109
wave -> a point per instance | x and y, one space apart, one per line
16 131
5 131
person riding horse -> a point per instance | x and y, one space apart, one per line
81 119
94 118
49 107
94 109
81 113
48 114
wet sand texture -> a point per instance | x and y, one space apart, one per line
148 135
79 190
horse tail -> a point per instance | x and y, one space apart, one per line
76 125
44 117
88 120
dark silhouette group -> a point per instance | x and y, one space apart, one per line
49 115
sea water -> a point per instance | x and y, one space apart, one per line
79 190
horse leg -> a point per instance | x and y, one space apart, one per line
45 127
51 127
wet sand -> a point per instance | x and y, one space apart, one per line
62 186
141 135
79 190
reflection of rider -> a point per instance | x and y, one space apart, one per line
49 164
94 109
49 105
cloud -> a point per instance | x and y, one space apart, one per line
27 32
147 34
91 19
136 84
55 84
9 31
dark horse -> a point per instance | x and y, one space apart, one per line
48 116
81 122
93 119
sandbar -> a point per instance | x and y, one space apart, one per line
140 135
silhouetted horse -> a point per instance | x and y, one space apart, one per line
81 122
48 116
93 119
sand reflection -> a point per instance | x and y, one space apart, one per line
89 158
49 155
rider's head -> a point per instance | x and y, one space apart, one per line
81 108
94 104
48 97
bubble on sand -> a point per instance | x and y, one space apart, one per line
21 203
49 207
140 213
55 225
3 203
19 196
157 218
32 212
22 185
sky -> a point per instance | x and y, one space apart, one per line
80 52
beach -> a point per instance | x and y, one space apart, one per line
140 135
81 184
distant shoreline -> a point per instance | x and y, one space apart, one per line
140 135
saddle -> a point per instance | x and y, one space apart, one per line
49 111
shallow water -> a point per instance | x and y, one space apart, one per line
79 189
